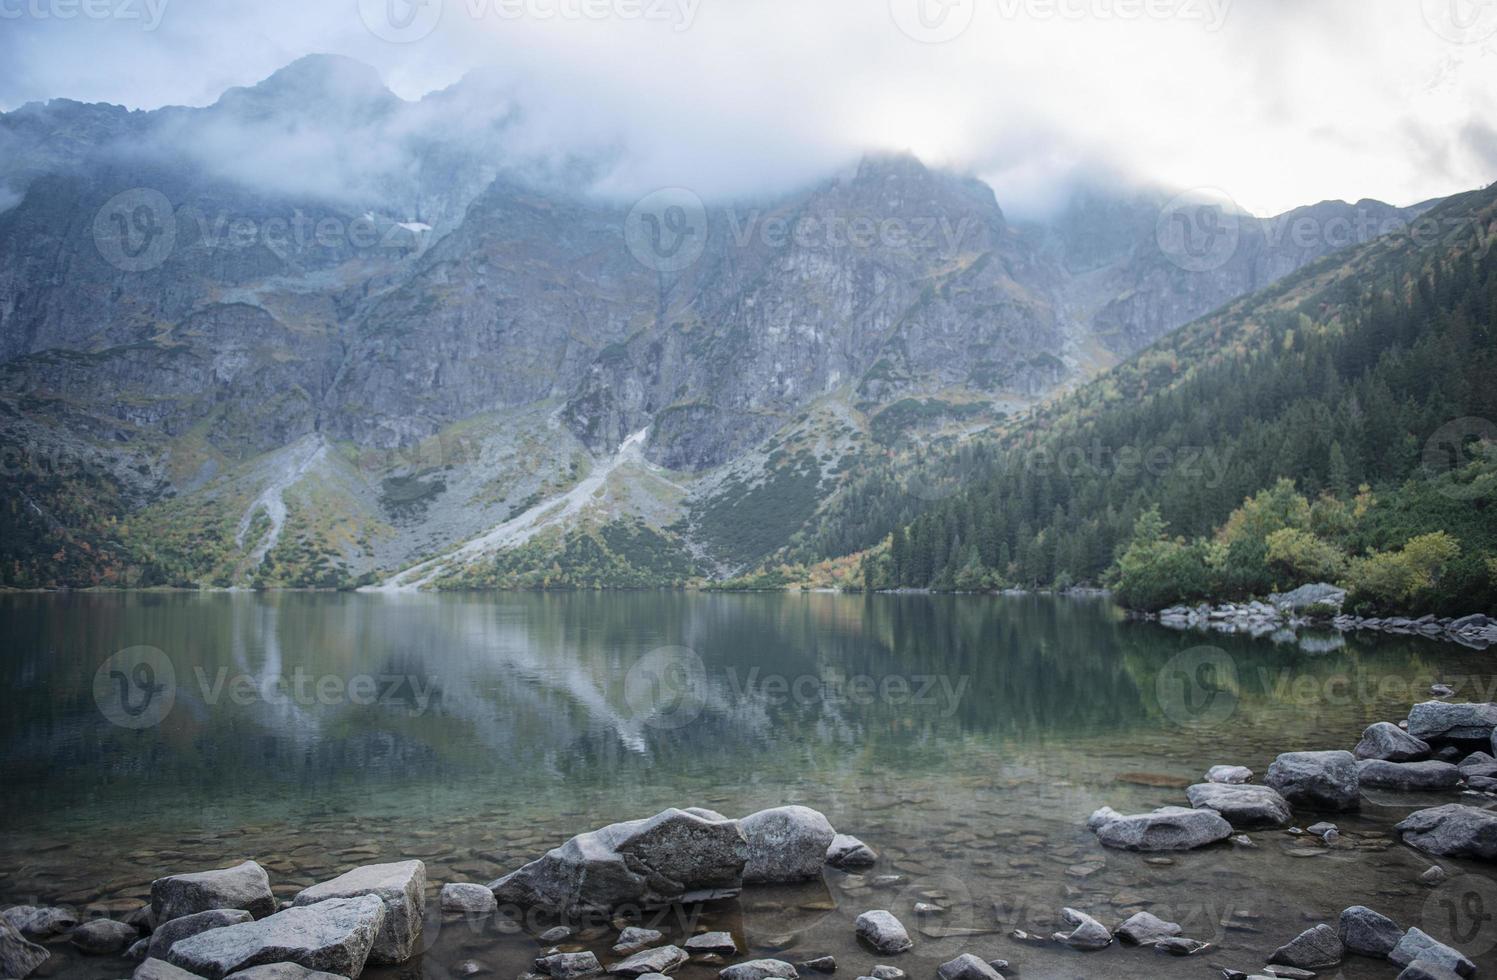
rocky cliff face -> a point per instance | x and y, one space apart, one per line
183 297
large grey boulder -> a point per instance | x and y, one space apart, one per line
881 930
1170 828
1408 776
334 936
245 886
1318 597
1316 948
401 886
1441 721
1368 933
1086 932
465 896
1316 780
1453 830
785 843
670 857
104 937
1385 740
190 925
39 921
1146 929
153 969
281 971
847 851
967 967
759 970
19 956
1420 947
1244 806
661 960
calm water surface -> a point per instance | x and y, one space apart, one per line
965 738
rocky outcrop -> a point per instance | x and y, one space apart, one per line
1319 598
401 886
670 857
1245 807
333 936
1452 830
1169 828
1316 780
785 843
245 886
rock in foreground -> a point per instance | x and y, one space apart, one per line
1246 807
1408 777
1420 947
1313 949
785 843
334 936
1317 780
967 967
759 970
19 956
1170 828
847 851
1368 933
673 856
1453 830
881 930
401 886
169 933
245 886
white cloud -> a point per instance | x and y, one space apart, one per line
1283 103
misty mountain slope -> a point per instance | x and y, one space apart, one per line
175 313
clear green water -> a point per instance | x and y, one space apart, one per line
965 738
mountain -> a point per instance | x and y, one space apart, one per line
1315 429
314 334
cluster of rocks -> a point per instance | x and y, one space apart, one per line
1319 605
227 923
1363 932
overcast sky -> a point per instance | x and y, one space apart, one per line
1276 102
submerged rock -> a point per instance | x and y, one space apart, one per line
39 921
1086 932
1453 830
881 930
1408 776
785 843
467 896
245 886
19 956
1317 780
1170 828
103 937
1146 929
1368 933
1420 947
670 857
334 936
847 851
1247 807
569 966
1314 949
1387 741
168 933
